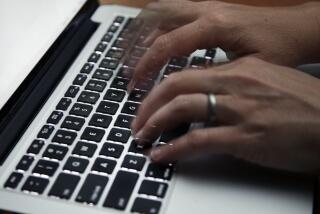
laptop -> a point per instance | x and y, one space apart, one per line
65 142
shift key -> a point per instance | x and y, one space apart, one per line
121 190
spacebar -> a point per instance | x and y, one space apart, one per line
121 190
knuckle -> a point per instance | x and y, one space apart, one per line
180 104
173 80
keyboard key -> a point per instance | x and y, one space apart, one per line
55 152
82 110
108 107
146 206
137 96
153 188
64 104
64 186
45 132
84 149
80 79
120 83
171 69
119 135
87 68
35 147
35 184
72 91
138 149
93 134
133 162
124 121
101 47
55 117
88 97
125 72
111 150
179 61
159 171
170 135
115 54
92 189
111 64
130 108
100 120
96 85
138 52
102 74
45 167
199 62
122 44
114 95
14 180
76 164
94 57
107 37
211 53
25 163
121 190
131 62
64 137
104 165
119 19
74 123
145 85
113 28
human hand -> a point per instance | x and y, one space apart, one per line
266 113
282 35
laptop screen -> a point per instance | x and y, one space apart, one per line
28 29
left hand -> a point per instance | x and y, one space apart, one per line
267 114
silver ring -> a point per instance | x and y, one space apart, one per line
212 104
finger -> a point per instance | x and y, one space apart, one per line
153 36
219 140
193 36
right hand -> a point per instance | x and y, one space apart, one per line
281 35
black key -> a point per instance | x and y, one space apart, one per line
115 54
88 97
93 134
55 152
87 68
100 120
123 44
104 165
64 186
111 150
131 62
45 167
25 163
101 47
146 206
82 110
120 83
113 28
145 85
130 108
80 79
107 37
159 171
133 162
138 52
55 117
108 107
94 57
119 19
121 190
64 137
74 123
64 104
137 95
153 188
125 72
45 132
114 95
138 149
179 61
111 64
84 149
119 135
126 34
170 135
96 85
35 184
92 189
171 69
199 61
102 74
124 121
211 53
35 147
72 91
76 164
14 180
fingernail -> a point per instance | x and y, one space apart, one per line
131 86
139 135
155 154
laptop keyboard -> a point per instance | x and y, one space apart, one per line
68 160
